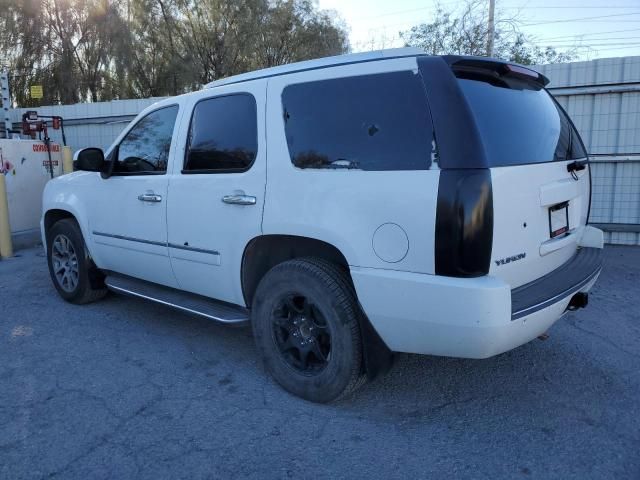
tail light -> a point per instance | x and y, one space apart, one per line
464 223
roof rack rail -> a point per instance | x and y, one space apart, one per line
317 64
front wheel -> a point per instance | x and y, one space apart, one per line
70 267
305 324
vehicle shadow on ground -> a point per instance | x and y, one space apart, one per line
418 387
126 378
566 391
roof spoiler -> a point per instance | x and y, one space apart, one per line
495 67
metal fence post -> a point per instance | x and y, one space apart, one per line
67 159
6 247
5 102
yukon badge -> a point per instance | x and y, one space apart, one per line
513 258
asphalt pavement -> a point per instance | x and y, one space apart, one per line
127 389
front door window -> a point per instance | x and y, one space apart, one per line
145 149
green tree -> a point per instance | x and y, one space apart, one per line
65 46
23 45
152 64
94 50
295 30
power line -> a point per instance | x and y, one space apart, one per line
591 45
590 34
543 7
612 21
562 45
577 7
594 19
618 48
602 39
581 19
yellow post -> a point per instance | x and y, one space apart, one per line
67 160
6 248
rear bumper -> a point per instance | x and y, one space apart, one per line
470 317
563 282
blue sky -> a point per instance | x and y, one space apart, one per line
608 29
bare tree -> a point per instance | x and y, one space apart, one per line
465 33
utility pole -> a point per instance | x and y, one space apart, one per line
5 101
492 28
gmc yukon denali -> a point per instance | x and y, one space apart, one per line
347 208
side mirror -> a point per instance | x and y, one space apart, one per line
88 160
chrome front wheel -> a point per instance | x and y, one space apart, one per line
65 263
73 273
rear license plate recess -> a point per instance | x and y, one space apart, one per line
559 219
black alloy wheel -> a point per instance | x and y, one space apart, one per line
305 323
301 334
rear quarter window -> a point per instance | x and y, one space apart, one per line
369 122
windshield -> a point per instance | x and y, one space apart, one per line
520 125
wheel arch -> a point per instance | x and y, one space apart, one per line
69 206
53 216
264 252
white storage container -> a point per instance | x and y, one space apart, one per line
25 164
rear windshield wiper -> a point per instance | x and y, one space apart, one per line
577 165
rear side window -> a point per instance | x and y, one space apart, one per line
223 135
519 124
369 122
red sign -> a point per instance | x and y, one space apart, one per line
41 147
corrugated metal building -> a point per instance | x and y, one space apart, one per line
89 124
603 99
601 96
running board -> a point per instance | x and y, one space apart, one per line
187 302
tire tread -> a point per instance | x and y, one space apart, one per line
341 289
347 294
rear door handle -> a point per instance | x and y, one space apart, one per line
150 197
239 199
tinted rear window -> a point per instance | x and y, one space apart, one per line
520 125
368 122
223 136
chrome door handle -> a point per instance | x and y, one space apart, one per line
239 199
150 197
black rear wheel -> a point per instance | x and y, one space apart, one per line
305 324
301 334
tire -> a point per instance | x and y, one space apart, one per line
72 271
305 325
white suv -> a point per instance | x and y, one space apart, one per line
347 207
